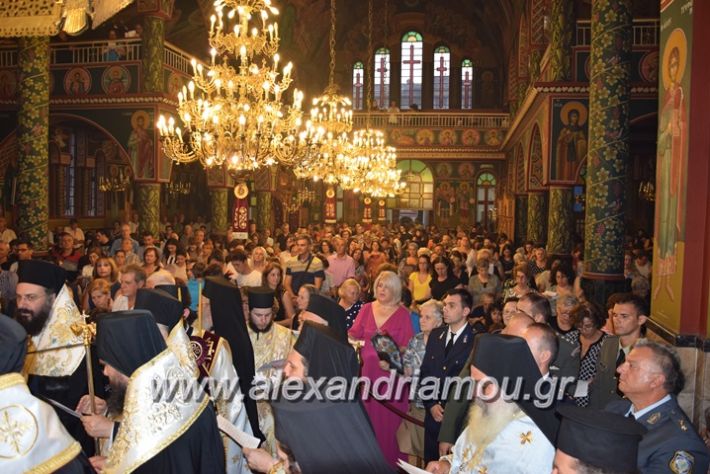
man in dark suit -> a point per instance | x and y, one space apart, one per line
446 353
650 378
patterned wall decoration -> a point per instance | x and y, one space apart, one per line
536 171
537 22
609 97
33 132
560 221
644 65
569 138
520 181
521 218
537 217
220 210
672 164
148 204
153 53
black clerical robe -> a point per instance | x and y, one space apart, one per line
68 391
198 450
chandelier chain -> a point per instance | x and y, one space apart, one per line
331 45
370 63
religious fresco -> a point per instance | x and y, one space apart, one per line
569 138
447 137
77 81
672 163
455 191
87 81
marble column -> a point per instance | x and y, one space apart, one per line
264 210
560 221
33 140
521 218
537 218
153 45
561 26
148 206
219 198
608 152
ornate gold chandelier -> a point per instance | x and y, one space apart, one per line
379 176
332 156
232 110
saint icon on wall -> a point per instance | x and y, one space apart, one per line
571 144
140 145
77 81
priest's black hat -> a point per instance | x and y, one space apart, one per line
599 438
13 345
179 292
260 297
228 322
507 359
165 309
128 339
331 312
325 354
42 273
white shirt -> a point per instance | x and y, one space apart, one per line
456 334
250 279
120 303
640 413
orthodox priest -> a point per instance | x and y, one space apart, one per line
203 354
327 446
157 434
271 343
33 439
222 305
56 362
504 418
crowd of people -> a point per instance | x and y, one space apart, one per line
383 302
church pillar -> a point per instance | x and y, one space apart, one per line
219 198
536 217
33 138
561 24
148 204
521 218
609 98
264 210
153 45
560 221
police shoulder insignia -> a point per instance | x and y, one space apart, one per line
682 462
653 418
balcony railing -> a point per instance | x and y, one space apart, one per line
478 120
645 32
97 52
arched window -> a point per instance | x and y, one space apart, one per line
419 190
485 198
411 70
442 74
358 83
382 78
466 84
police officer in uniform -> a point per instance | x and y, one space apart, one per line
650 378
446 353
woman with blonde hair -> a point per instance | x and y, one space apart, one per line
99 291
384 316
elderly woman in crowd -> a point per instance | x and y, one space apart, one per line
483 282
521 275
409 435
386 316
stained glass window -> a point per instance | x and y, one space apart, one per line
358 85
485 199
411 72
466 84
419 190
442 73
382 78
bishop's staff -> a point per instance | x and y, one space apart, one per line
87 331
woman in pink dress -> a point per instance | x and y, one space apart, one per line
385 315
